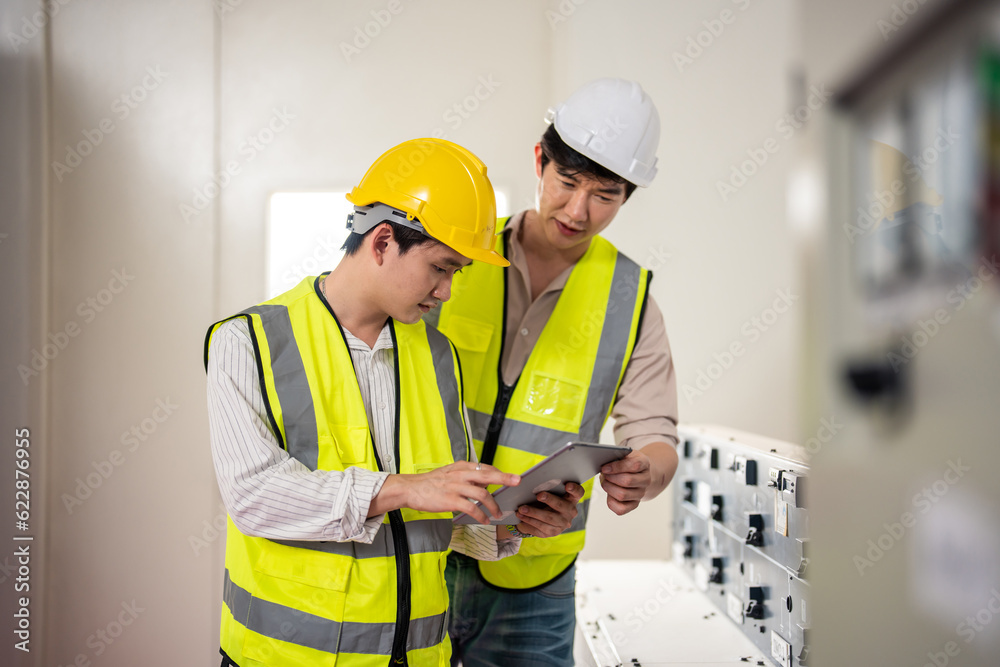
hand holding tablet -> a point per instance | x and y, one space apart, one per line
575 462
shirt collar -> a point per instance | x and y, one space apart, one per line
515 254
383 342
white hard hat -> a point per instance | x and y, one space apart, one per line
615 124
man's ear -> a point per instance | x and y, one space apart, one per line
380 240
538 160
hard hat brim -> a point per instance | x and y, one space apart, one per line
485 256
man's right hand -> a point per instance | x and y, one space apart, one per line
446 489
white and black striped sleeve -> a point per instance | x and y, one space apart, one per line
266 492
480 542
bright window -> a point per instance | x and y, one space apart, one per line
305 231
304 234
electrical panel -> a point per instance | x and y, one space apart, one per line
741 528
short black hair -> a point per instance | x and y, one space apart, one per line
405 238
554 149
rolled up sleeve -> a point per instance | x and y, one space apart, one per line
646 407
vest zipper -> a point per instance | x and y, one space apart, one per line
505 392
402 548
402 587
496 422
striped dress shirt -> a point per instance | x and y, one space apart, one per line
268 493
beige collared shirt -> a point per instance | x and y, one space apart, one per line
645 410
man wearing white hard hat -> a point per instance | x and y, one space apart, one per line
551 346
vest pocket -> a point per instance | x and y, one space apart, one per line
555 401
297 611
472 339
350 447
470 335
419 468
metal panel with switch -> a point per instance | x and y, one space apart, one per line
741 526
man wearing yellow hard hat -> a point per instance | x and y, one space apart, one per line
339 438
551 346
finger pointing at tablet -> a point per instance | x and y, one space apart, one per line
458 487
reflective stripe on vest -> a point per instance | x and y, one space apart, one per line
322 634
422 536
358 592
566 389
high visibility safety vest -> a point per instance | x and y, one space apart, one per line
292 603
565 391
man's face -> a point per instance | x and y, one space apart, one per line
419 280
573 208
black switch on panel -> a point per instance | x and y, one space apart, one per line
715 576
713 461
755 610
717 508
755 604
689 546
755 537
746 470
687 448
688 491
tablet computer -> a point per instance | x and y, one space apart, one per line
574 462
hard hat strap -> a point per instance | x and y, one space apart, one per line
365 218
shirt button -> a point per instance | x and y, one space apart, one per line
382 405
524 332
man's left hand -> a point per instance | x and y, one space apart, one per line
556 519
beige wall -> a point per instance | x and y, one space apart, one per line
117 211
24 275
718 264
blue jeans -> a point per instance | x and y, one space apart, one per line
494 628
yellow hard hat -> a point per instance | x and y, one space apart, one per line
443 186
